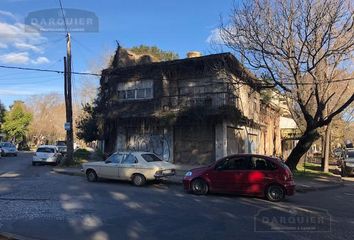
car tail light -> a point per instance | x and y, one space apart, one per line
288 176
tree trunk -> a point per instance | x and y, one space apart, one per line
325 160
301 148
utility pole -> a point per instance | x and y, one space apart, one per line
68 103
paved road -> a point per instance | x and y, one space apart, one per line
40 204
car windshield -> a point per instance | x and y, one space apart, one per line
151 158
350 154
61 143
45 150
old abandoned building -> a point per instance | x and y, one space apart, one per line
187 111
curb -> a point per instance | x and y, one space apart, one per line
299 189
10 236
70 173
313 189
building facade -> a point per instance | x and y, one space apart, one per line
189 111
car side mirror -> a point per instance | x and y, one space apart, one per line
107 162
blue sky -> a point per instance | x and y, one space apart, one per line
177 25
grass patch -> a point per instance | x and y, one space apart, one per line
311 170
80 156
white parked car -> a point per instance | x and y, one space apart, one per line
7 149
137 167
46 154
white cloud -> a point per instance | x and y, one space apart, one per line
3 45
13 92
19 33
40 60
7 14
20 41
15 58
27 46
215 37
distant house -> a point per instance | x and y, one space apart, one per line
188 111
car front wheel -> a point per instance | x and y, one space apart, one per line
200 187
138 180
91 176
275 193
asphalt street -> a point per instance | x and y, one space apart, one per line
37 203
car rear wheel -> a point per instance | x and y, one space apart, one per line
138 180
275 193
91 176
200 187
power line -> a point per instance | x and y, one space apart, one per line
62 11
48 70
100 75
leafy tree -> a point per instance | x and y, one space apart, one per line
303 45
87 124
17 121
2 113
155 52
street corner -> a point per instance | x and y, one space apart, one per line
292 219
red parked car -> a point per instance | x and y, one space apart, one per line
246 174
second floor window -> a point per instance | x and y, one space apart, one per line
135 90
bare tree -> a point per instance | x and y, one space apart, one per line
48 118
302 45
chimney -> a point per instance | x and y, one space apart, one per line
193 54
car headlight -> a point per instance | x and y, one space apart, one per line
188 174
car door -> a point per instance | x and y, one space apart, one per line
110 169
261 174
229 174
127 166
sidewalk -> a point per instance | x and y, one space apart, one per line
307 184
303 184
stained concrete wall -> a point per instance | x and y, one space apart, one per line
220 140
146 138
194 144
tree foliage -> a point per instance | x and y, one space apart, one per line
17 121
303 45
48 113
2 113
87 124
155 52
